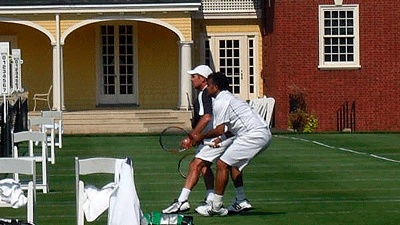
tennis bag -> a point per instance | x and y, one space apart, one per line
13 222
157 218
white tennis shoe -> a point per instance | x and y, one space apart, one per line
203 203
177 207
240 205
208 210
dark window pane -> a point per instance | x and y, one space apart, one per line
328 31
350 31
350 14
350 49
350 41
236 43
229 71
221 44
328 58
327 41
327 49
327 14
350 57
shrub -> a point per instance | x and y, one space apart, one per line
301 121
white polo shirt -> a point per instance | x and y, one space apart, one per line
236 114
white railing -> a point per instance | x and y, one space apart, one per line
230 5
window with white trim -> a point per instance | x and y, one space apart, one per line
338 37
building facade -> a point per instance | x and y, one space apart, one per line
340 56
135 53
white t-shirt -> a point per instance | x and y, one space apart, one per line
236 114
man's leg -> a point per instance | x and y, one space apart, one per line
221 177
182 204
240 201
221 181
208 177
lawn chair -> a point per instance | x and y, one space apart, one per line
42 97
58 125
264 106
26 167
28 139
46 125
105 166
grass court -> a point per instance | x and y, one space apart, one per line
300 179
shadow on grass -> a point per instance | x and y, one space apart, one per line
254 212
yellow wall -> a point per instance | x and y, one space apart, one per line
37 56
157 55
79 54
157 63
237 26
158 60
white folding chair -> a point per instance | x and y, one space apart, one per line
86 167
42 97
26 167
27 139
46 125
264 106
58 125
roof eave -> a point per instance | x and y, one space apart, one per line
116 8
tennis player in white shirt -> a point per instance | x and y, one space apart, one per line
252 137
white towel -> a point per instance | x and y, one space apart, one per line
12 193
124 202
96 201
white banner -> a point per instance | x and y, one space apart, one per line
5 68
16 70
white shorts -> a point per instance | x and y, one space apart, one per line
245 147
211 154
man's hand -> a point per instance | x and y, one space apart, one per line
186 143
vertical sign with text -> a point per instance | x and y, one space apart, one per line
16 70
5 68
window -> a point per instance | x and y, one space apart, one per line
117 75
338 37
236 57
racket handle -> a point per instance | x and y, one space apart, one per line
211 144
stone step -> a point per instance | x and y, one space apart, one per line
122 121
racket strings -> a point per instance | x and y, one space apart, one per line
171 138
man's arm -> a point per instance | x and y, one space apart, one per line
204 120
216 132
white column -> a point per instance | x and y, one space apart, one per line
57 68
62 78
185 64
56 79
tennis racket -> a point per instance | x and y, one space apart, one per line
171 137
183 165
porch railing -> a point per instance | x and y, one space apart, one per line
346 117
230 5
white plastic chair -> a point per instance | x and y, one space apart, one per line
58 125
42 97
26 167
39 155
46 125
264 106
86 167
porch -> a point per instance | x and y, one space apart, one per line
113 121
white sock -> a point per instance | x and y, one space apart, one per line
184 196
240 193
217 202
209 194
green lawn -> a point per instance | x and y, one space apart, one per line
301 179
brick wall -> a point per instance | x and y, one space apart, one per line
290 62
